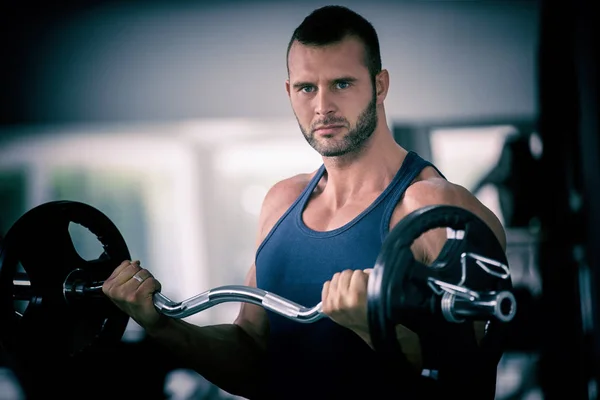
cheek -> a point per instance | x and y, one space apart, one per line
355 110
350 113
302 109
350 105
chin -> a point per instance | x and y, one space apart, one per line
334 152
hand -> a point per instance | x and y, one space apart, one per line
131 288
344 300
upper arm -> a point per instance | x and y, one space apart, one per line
439 191
252 318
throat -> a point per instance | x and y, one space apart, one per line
344 193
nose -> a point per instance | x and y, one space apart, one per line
324 103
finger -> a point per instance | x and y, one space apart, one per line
332 292
126 274
359 280
344 280
121 268
118 270
325 292
149 287
139 277
368 271
114 281
333 284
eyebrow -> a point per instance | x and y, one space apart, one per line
301 84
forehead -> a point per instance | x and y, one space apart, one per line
343 58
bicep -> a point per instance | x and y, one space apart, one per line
432 244
252 318
429 245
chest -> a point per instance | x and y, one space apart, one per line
319 216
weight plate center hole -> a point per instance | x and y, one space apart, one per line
85 242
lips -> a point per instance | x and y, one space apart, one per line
328 128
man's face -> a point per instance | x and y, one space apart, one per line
332 96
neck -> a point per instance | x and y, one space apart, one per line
366 172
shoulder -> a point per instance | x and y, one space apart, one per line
287 190
279 198
432 189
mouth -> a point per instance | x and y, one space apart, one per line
328 129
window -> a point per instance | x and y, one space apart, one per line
466 154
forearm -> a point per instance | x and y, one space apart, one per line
409 343
223 354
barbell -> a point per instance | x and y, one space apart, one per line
39 266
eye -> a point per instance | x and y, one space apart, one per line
307 89
342 85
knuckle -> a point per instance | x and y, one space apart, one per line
353 300
330 290
149 285
107 291
335 303
130 297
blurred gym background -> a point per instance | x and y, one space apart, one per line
172 119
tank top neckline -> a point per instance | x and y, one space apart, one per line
404 168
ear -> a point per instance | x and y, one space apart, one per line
287 86
382 84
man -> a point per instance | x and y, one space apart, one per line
318 236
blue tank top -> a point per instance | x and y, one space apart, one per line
323 359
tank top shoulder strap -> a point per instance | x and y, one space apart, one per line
411 167
296 206
309 189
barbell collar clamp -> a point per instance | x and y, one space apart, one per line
499 305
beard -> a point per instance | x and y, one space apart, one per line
353 141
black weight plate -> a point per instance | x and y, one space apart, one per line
399 293
50 327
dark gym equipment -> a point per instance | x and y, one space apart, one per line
66 314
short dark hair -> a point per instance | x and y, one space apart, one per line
331 24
